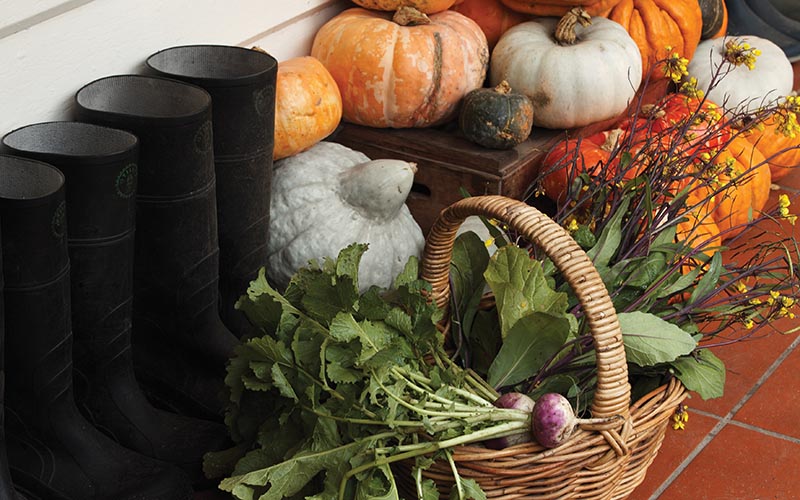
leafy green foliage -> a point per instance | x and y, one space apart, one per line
338 388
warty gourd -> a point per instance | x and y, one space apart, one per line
331 196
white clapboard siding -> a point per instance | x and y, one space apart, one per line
50 49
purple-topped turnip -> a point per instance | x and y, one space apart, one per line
514 401
553 420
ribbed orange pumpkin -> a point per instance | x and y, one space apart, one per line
395 75
558 8
781 151
426 6
308 106
492 16
657 24
747 187
699 228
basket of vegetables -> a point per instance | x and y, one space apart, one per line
604 456
356 394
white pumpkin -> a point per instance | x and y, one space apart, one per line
736 86
331 196
570 84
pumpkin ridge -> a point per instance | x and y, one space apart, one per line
428 108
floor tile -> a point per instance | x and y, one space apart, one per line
740 464
776 404
677 445
745 362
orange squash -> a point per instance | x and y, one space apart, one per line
745 179
658 24
781 151
492 16
308 106
558 8
699 228
426 6
402 71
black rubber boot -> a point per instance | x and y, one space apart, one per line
242 86
53 451
7 491
100 167
743 20
180 345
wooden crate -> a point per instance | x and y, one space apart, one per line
447 162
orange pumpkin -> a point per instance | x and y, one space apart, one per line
658 24
426 6
781 151
699 228
404 71
492 16
558 8
745 179
308 106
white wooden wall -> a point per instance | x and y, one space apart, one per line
51 48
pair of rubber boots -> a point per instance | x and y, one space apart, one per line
775 20
161 285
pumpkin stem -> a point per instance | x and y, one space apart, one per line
409 16
611 139
503 88
565 29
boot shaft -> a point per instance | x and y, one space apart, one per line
100 169
36 292
241 83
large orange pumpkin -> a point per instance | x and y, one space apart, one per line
699 228
396 75
781 151
308 106
492 16
658 24
745 180
426 6
558 8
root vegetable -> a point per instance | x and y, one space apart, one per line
553 420
514 401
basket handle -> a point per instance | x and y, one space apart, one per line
612 396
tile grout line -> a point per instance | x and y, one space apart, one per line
723 421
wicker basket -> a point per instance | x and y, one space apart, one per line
598 461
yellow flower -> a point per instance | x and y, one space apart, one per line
741 287
741 53
774 294
783 201
749 324
489 242
787 301
680 417
755 302
573 226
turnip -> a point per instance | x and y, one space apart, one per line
553 421
514 401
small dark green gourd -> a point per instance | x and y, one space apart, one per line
496 118
713 17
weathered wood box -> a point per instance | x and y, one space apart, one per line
447 162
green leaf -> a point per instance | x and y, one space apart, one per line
610 237
520 287
467 266
378 485
471 490
291 476
709 280
650 340
533 340
702 372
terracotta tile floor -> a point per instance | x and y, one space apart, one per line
745 445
